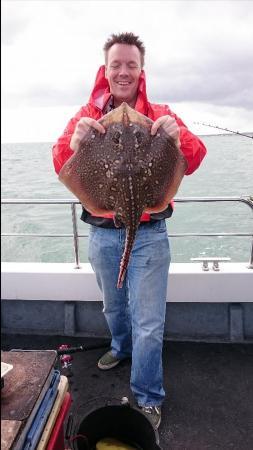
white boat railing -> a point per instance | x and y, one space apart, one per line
72 202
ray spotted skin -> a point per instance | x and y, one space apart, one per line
125 171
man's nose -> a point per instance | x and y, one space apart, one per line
123 70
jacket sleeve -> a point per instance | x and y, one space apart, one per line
61 149
192 147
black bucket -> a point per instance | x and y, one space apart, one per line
123 422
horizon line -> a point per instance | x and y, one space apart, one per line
52 142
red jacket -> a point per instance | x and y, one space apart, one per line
191 146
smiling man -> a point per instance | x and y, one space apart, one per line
136 313
123 69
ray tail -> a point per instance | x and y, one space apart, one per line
130 237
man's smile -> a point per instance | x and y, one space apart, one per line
123 83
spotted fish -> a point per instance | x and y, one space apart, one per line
125 172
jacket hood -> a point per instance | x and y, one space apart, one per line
101 92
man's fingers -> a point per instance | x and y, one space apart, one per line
94 124
86 122
82 128
154 129
98 127
169 125
171 129
156 125
174 133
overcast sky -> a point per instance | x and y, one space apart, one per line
199 60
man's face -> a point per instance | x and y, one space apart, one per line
123 70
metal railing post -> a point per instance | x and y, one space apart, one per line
251 257
75 235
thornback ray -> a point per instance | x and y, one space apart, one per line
125 172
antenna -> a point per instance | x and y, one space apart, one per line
224 129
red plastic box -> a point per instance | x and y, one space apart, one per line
56 441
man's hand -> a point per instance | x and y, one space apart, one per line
82 128
169 125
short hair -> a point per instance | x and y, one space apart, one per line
125 38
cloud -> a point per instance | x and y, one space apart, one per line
44 94
222 79
197 52
13 24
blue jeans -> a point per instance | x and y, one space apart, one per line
135 313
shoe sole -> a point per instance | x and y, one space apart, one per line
156 426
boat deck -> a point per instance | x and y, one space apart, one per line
209 387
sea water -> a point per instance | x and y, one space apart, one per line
227 170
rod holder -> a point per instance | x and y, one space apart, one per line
206 260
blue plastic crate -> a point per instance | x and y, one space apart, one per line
39 422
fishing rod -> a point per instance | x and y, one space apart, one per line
224 129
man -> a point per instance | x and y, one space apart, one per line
136 313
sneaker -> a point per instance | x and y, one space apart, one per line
153 413
108 361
